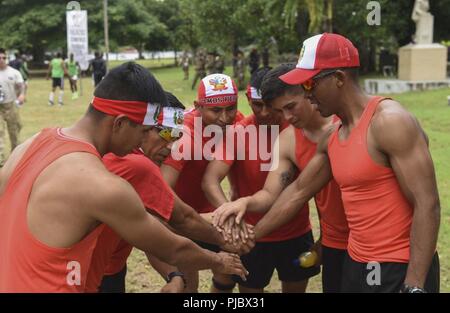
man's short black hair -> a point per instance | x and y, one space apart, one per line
258 77
130 82
58 55
2 50
173 101
273 87
97 54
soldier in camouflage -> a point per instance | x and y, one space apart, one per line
12 96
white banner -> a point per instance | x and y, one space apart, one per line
77 37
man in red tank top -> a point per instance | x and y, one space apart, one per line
215 108
279 249
56 195
380 159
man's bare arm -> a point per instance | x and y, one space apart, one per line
311 180
215 173
398 135
122 210
187 222
170 175
277 179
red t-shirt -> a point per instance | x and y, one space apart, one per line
111 253
248 178
188 186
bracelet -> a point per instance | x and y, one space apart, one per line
411 289
171 275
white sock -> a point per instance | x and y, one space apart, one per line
51 97
60 98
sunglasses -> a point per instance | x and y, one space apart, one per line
169 134
311 83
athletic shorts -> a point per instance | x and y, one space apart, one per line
358 278
332 268
114 283
265 257
57 82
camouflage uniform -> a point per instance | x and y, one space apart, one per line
240 71
9 114
210 64
200 72
219 64
9 79
185 65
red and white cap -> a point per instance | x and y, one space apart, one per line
320 52
253 93
217 90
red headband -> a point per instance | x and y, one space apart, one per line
141 112
137 111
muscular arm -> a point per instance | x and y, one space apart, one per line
398 135
187 222
215 173
281 175
311 180
170 175
120 203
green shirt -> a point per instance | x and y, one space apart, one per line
72 68
57 68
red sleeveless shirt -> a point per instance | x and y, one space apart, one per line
26 264
378 214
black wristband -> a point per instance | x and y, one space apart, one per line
171 275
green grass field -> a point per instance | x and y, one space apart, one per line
430 107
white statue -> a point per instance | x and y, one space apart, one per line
424 22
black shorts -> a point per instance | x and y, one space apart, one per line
57 82
332 267
265 257
97 79
114 283
392 276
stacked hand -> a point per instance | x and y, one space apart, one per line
239 238
230 263
230 210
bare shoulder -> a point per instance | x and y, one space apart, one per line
88 176
286 141
13 160
322 146
393 126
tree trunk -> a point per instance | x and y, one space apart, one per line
175 57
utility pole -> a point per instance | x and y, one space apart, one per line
106 30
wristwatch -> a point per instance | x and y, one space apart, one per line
411 289
171 275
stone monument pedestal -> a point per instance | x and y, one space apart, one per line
420 62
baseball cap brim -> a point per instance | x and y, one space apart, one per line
298 76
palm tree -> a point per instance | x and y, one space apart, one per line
320 13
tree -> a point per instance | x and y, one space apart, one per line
131 24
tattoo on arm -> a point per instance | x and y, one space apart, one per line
287 177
